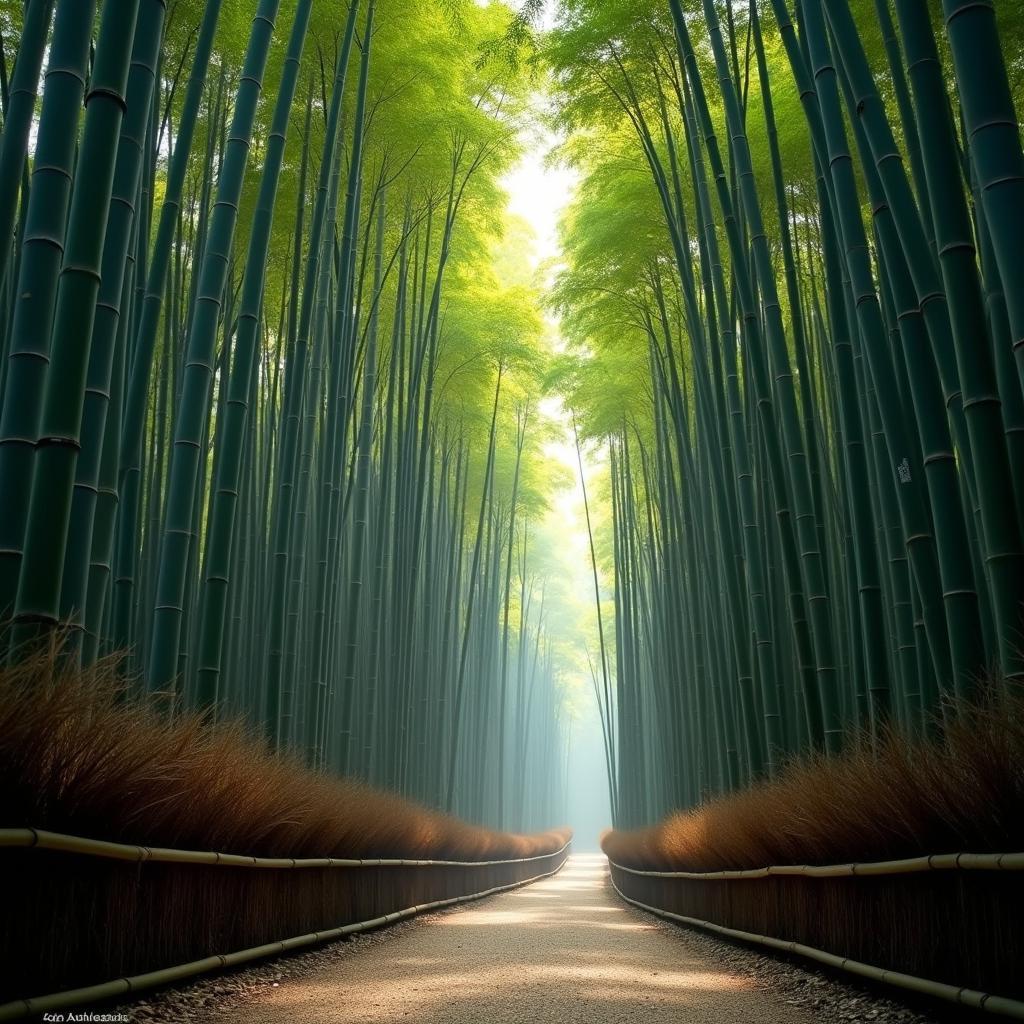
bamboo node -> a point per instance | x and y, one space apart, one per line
102 92
57 441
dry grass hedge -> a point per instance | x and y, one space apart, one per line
900 797
76 758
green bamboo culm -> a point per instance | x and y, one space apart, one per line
256 466
199 359
901 451
823 668
994 144
143 345
49 515
994 476
362 454
231 429
18 119
970 381
279 381
28 350
107 327
810 408
294 384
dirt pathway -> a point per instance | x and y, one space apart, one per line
564 951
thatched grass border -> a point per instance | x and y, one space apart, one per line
951 934
81 927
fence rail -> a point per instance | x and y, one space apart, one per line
907 866
87 909
33 838
894 919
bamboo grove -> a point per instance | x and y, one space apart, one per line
793 290
270 359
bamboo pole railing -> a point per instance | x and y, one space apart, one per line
910 865
42 840
986 1002
29 838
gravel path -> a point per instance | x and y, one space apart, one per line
827 996
561 951
564 951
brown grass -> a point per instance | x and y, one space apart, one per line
903 798
76 759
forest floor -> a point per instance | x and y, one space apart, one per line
565 950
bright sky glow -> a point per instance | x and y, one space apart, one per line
538 193
539 190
